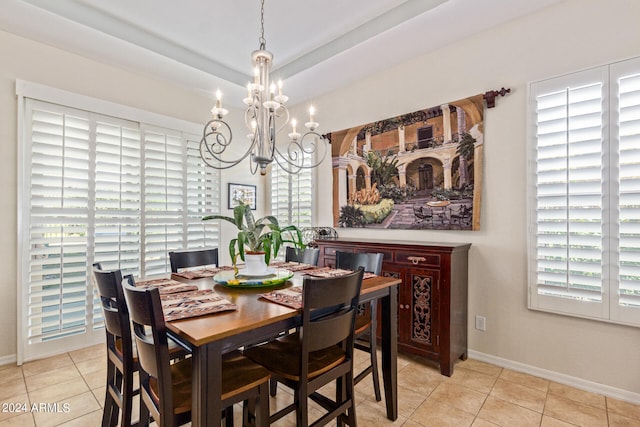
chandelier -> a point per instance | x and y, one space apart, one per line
265 116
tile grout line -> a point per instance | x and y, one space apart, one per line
487 396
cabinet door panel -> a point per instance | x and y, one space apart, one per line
423 298
392 271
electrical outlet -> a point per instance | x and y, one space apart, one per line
481 323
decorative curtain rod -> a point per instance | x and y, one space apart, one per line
490 96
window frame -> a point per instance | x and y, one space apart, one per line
608 309
188 131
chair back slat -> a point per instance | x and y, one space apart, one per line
114 307
328 331
371 262
321 293
305 256
330 305
113 321
192 258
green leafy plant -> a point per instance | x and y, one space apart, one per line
397 194
375 214
384 168
466 146
351 216
258 235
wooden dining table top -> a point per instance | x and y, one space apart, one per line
253 311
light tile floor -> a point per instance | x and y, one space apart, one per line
478 395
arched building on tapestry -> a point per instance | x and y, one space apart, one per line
421 170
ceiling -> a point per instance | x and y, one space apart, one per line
202 45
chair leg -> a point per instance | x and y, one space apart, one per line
144 414
262 412
109 404
341 397
350 394
302 405
127 400
116 385
273 387
228 415
373 346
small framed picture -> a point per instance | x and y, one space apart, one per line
242 193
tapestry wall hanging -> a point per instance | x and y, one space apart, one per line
421 170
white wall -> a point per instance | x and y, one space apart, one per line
570 36
27 60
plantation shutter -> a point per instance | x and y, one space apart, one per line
56 295
163 198
202 198
625 81
98 188
117 195
291 196
585 204
569 176
117 198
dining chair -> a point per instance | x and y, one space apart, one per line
122 362
304 256
366 323
320 352
165 388
192 258
122 357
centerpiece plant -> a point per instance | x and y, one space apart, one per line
258 236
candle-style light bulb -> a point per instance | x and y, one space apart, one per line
254 125
311 112
248 90
279 87
256 75
293 125
218 99
272 90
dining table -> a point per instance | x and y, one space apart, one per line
257 320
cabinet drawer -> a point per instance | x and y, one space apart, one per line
419 259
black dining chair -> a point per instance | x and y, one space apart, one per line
320 352
122 362
366 323
122 357
304 256
165 388
193 258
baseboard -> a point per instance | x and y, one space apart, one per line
616 393
8 360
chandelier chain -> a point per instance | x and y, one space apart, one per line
262 40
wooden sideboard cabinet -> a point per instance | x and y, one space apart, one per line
432 300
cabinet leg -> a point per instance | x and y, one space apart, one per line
446 369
